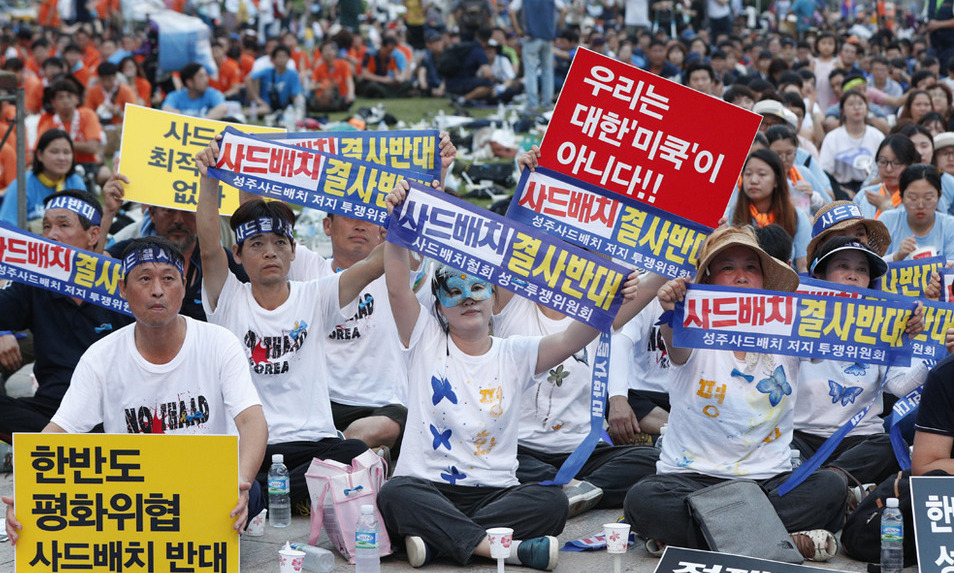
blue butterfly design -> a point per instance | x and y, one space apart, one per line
103 327
846 394
442 389
776 387
857 369
737 374
441 438
582 357
683 462
299 328
453 475
368 301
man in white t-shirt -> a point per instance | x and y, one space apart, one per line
282 324
165 374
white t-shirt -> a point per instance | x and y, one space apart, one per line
554 418
200 391
284 348
638 356
469 436
723 422
840 151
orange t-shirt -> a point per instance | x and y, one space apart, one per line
245 64
86 129
357 56
82 75
8 163
91 58
32 93
229 75
322 78
95 96
144 90
48 15
301 59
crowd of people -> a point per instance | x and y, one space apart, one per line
476 395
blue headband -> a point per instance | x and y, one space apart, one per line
261 226
150 254
76 205
836 215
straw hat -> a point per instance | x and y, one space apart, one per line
836 217
776 275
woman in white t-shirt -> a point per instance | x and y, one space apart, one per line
456 474
731 418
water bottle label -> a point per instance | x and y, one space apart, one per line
278 485
892 532
366 540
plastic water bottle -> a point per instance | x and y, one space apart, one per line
367 558
279 498
662 434
288 118
796 457
317 559
299 108
892 538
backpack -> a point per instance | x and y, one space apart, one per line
474 14
861 536
452 59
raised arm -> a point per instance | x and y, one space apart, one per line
397 273
215 263
649 284
359 275
113 192
669 294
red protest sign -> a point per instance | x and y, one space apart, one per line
635 134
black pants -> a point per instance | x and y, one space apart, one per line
870 459
25 414
454 519
298 456
657 509
614 469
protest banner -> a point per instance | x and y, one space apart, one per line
618 226
932 504
682 560
755 320
402 149
947 284
111 503
346 187
635 134
158 156
930 343
532 264
30 259
910 278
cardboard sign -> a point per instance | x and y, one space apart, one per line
642 136
111 503
682 560
932 503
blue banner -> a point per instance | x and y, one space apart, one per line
346 187
901 409
408 150
910 278
754 320
608 223
579 284
29 259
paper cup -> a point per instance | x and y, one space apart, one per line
617 537
256 527
500 540
290 560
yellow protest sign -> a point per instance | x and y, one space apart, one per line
158 155
110 503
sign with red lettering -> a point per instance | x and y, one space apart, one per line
633 133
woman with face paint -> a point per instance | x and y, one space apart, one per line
456 474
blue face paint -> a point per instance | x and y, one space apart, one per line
463 286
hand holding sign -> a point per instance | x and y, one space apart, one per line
13 526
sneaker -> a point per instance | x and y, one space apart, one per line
539 553
582 496
418 553
384 453
815 544
655 547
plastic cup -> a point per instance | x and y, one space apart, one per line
290 560
500 540
617 537
256 527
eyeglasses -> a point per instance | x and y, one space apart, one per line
786 155
887 164
916 201
946 153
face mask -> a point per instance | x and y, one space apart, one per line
470 287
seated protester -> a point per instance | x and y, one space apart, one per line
53 69
473 80
805 191
750 436
276 87
700 77
158 360
656 62
75 66
333 81
455 477
506 82
831 392
923 142
281 323
228 75
895 153
81 123
429 80
740 95
943 159
196 98
108 97
63 327
382 74
776 113
53 170
27 81
844 219
843 150
919 225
